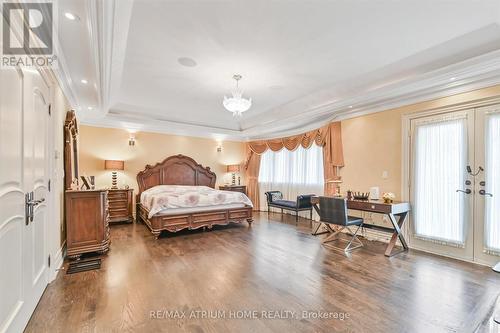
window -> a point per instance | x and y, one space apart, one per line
292 172
301 166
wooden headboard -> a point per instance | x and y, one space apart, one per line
175 170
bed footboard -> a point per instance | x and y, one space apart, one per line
195 220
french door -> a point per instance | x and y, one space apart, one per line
455 172
487 198
24 106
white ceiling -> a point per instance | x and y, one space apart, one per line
303 62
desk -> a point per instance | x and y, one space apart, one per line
392 210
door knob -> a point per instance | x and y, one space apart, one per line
483 192
467 191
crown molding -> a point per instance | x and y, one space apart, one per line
472 74
139 122
108 30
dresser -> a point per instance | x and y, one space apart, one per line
234 188
120 205
87 227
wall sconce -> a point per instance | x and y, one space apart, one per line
131 141
219 146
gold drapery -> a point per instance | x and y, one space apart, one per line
329 137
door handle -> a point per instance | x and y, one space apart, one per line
467 191
30 205
483 192
28 208
36 202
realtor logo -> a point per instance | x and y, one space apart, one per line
27 32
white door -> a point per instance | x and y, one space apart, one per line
440 186
487 198
24 106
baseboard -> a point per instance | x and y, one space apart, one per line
58 261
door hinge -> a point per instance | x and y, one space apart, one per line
48 185
50 109
48 260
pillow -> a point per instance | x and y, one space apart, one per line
276 196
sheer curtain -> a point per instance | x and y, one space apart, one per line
291 172
439 170
492 170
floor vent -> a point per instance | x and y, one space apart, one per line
83 265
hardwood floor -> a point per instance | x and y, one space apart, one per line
272 266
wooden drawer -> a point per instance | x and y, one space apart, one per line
114 204
113 195
118 211
369 206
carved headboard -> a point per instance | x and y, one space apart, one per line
175 170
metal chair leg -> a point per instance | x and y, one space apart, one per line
348 248
296 217
354 239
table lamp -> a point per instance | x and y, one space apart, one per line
114 166
233 168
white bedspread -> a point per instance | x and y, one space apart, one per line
162 197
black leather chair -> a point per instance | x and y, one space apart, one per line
303 203
334 211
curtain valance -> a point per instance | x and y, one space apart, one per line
329 136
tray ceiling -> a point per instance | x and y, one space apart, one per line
303 63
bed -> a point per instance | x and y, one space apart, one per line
182 172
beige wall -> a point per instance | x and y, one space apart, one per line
372 143
98 144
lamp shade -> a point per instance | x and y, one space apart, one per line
114 165
233 168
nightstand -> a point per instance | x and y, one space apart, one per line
120 205
234 188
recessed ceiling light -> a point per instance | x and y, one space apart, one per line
350 106
70 16
188 62
89 108
84 81
453 79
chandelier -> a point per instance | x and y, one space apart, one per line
237 104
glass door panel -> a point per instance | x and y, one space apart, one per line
441 188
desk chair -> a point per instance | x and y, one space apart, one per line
334 211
